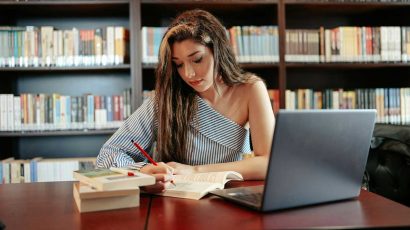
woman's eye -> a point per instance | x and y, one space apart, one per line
198 60
178 65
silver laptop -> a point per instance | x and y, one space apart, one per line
317 156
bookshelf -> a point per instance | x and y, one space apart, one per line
136 14
72 80
354 74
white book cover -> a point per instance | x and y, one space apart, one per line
3 112
76 46
6 170
27 171
68 48
119 45
26 51
17 113
56 46
47 45
384 43
404 56
335 101
63 110
10 112
110 45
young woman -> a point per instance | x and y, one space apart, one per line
203 110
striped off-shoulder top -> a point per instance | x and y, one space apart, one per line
212 138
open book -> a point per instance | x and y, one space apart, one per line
195 186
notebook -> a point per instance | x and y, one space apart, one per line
317 156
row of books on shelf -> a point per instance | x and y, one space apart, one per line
348 44
33 46
45 46
341 44
250 43
46 112
255 43
392 104
42 170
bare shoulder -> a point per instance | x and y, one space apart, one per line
254 87
257 85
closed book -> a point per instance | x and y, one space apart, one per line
88 199
106 179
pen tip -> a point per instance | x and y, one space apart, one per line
132 141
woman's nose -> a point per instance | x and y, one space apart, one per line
189 71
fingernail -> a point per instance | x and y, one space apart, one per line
171 185
168 177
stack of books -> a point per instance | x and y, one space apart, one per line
107 189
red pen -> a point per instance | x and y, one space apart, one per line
147 156
145 153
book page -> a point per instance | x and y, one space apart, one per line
195 186
211 177
190 190
192 187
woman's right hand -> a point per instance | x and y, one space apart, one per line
163 175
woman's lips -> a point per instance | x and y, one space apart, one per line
195 83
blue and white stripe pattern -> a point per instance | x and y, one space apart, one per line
212 138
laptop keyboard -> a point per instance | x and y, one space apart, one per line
255 198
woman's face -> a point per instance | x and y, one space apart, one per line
195 64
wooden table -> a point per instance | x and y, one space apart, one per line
51 206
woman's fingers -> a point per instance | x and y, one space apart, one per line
156 188
169 169
163 177
160 168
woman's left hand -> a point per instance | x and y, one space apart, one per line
182 169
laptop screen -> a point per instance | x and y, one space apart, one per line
317 156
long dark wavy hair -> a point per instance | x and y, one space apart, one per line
175 100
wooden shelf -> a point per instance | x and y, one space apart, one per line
347 65
243 65
65 69
258 65
58 133
345 2
214 2
65 8
63 2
